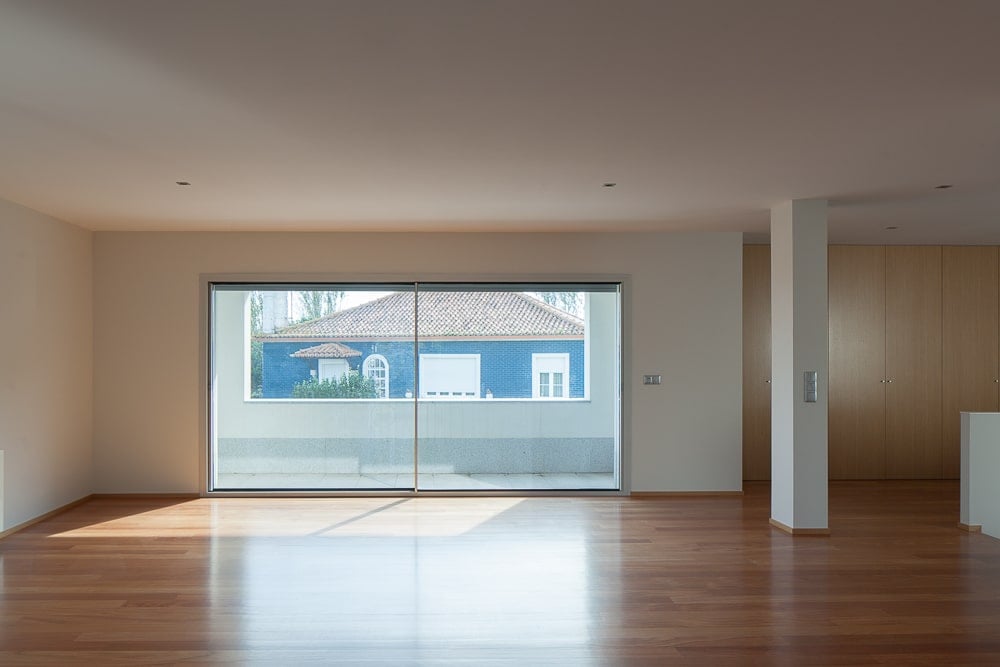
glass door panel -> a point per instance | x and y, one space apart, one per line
312 387
401 387
518 389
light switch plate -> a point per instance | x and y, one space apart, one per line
810 387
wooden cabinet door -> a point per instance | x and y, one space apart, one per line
857 362
756 362
913 362
971 342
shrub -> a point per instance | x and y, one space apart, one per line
256 369
349 385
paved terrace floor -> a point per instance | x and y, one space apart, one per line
428 481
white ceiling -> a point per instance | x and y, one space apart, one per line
504 114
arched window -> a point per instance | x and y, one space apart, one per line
377 368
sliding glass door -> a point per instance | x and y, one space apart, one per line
309 387
518 387
407 387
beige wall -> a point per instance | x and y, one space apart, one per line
683 313
46 343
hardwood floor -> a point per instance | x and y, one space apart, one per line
503 581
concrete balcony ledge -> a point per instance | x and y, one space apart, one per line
466 456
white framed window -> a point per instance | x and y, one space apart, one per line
332 369
449 375
550 375
376 367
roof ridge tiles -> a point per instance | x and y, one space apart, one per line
446 313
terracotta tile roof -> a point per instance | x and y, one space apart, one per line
327 351
442 314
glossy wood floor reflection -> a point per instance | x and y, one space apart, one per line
503 581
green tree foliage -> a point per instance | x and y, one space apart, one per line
571 302
256 312
256 347
318 303
256 369
350 385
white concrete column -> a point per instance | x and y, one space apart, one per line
799 343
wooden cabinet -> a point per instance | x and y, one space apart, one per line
756 362
885 362
914 340
857 362
971 342
913 362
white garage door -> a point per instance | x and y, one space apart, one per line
449 375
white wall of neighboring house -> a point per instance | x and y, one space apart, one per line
46 373
682 313
274 310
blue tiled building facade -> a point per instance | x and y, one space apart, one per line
505 365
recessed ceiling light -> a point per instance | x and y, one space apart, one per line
943 187
182 183
608 185
890 227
